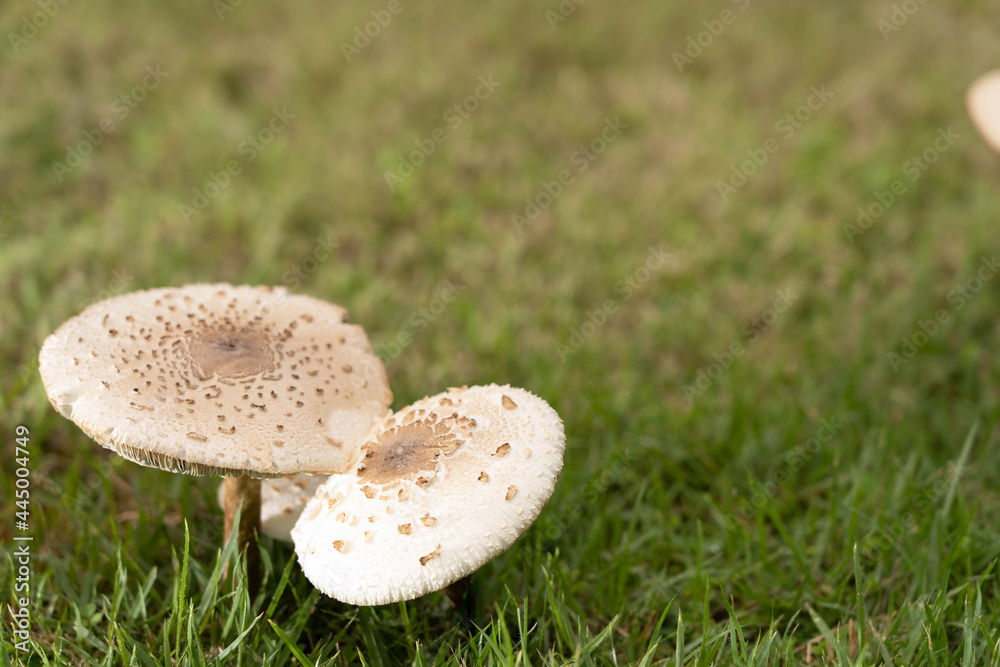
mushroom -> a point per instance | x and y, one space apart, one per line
983 100
439 488
245 382
281 502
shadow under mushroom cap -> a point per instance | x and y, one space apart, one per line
281 502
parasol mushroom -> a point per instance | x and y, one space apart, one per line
240 381
438 489
983 100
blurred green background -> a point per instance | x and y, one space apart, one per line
750 474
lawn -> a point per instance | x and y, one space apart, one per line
747 251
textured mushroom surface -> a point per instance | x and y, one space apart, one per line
281 502
983 101
439 489
217 379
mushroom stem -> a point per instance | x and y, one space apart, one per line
460 596
245 491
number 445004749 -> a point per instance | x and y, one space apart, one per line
22 459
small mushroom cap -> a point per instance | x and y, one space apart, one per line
983 100
281 502
439 489
218 380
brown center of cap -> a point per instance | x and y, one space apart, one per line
230 354
405 452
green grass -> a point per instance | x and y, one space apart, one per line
809 505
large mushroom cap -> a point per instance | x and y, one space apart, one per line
983 101
217 379
440 488
281 502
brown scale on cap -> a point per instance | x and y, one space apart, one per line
431 556
408 451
